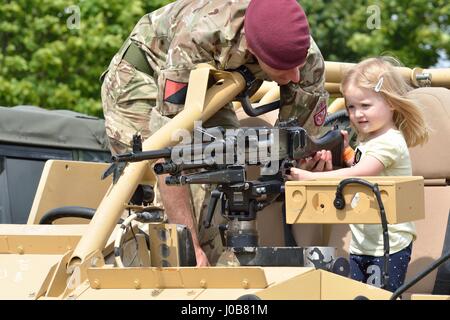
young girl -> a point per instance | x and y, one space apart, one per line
387 123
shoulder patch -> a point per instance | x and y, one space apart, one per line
175 92
319 117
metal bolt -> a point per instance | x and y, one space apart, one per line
245 284
96 284
20 249
137 284
203 283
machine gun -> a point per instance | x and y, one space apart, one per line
222 162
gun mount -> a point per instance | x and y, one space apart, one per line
222 162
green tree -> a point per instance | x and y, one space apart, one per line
52 52
414 31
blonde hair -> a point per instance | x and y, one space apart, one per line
379 74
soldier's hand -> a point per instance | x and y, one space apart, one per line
202 260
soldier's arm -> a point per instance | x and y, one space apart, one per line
312 76
176 201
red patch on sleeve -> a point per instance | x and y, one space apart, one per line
319 117
175 92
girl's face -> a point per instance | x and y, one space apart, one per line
368 111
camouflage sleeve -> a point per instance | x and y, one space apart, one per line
182 57
312 75
205 35
306 102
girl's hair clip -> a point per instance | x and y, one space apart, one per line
379 84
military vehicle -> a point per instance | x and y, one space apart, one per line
29 136
86 239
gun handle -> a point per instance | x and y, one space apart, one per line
215 195
333 141
338 155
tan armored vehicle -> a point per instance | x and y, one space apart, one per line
58 254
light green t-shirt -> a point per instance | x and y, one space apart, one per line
391 150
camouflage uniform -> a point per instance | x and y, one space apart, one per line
174 39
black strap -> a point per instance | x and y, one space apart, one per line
248 76
135 56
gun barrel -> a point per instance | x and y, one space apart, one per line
231 175
173 168
141 156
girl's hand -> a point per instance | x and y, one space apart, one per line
299 174
321 161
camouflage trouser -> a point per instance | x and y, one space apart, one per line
129 100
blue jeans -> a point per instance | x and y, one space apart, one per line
368 269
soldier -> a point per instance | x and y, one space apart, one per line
146 81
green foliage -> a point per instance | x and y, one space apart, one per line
414 31
46 59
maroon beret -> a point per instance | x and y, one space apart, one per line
277 32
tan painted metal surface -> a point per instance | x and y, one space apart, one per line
274 283
320 285
312 201
24 276
336 105
172 278
39 239
82 183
